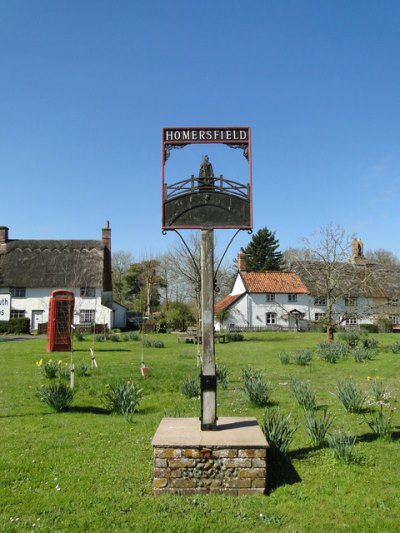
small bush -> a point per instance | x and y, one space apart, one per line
395 347
123 398
302 357
255 387
114 337
190 387
361 355
332 351
381 424
18 326
351 337
134 336
317 426
158 344
370 343
352 398
83 369
284 358
99 338
53 369
56 395
222 375
278 431
234 337
147 343
342 445
305 397
78 335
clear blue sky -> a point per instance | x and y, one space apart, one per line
87 85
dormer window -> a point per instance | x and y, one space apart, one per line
88 292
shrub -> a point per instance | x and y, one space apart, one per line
123 398
18 326
361 355
222 375
53 369
352 398
379 393
158 344
381 424
147 343
369 328
302 357
278 431
284 358
134 336
100 338
114 337
370 343
395 347
255 387
342 444
56 395
83 369
190 387
351 337
305 397
385 325
332 351
234 337
78 335
317 427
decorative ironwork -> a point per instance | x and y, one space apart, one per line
169 147
244 147
196 184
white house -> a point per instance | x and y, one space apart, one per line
31 269
292 300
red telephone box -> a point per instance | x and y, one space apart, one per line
61 314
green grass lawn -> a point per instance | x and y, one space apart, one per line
89 470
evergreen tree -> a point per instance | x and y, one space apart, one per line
261 252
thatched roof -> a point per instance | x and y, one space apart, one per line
52 263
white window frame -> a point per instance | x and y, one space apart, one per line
395 319
270 297
320 300
350 301
18 292
319 316
270 319
88 292
17 313
292 297
87 316
351 321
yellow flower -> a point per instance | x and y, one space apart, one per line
378 377
39 363
60 362
369 378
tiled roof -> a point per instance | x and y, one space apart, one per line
274 282
226 302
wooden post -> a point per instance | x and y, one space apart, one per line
208 373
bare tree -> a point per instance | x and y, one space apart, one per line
325 269
121 261
382 257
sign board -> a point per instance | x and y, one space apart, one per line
202 200
5 307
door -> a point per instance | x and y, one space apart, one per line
37 318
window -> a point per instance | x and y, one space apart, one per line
351 321
88 292
270 297
319 316
292 297
86 316
18 292
270 318
17 313
320 300
395 319
350 301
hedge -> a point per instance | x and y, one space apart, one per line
16 326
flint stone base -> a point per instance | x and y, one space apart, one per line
231 460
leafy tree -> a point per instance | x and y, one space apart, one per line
144 281
121 261
261 252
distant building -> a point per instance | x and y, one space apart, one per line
31 269
293 300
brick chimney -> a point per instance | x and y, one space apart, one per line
107 273
242 262
106 236
357 252
3 234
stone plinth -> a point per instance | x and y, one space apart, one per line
231 460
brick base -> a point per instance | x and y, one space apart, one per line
234 469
